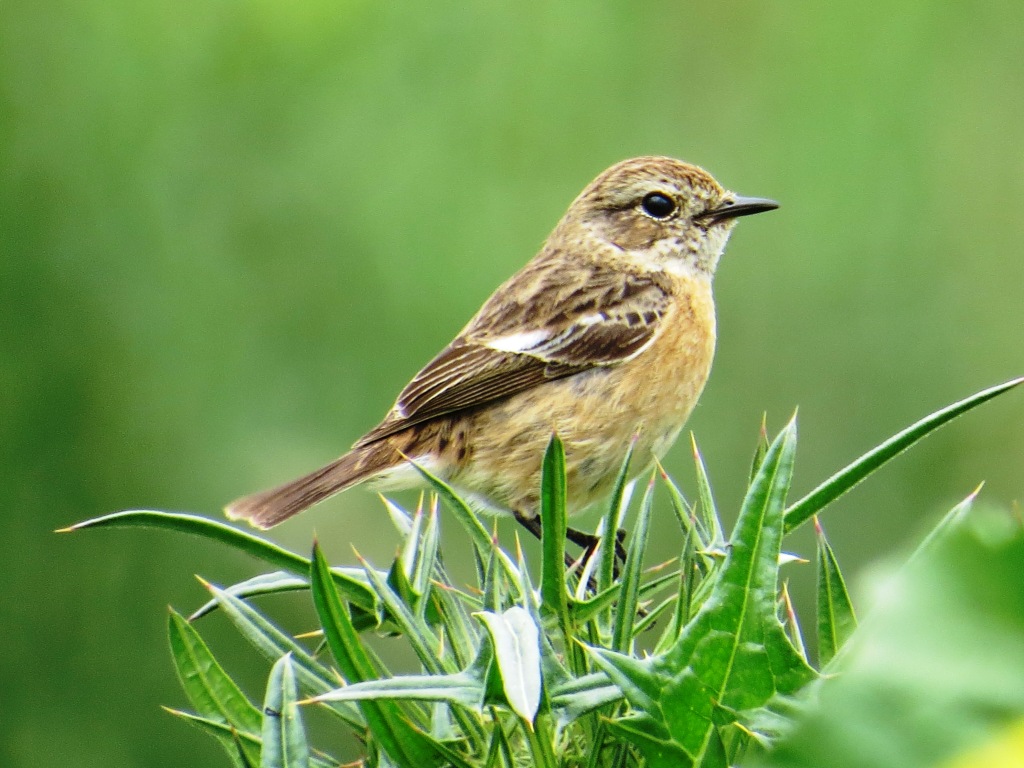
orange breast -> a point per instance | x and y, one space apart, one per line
596 414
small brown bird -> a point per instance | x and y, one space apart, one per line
608 333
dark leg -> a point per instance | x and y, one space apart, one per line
589 541
532 524
586 540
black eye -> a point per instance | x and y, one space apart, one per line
658 205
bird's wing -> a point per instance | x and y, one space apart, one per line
509 347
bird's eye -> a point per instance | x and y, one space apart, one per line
658 205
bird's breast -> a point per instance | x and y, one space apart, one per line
597 413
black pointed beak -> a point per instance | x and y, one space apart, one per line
740 206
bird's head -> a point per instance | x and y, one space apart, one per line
659 213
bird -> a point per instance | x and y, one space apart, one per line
605 338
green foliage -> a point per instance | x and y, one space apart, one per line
936 675
702 665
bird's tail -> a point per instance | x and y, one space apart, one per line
268 508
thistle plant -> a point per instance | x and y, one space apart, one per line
697 662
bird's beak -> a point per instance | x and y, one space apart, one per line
740 206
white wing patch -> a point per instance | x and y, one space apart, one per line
524 341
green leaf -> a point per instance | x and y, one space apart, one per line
830 490
212 692
791 622
553 672
226 534
454 617
419 635
463 688
243 748
390 726
935 674
553 527
836 619
284 738
313 677
274 583
466 517
515 639
761 449
656 744
500 749
577 696
246 746
949 523
427 555
684 595
626 609
683 510
708 510
612 521
245 759
734 655
541 739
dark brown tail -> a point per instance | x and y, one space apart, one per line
268 508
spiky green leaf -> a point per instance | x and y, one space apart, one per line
284 738
843 480
836 620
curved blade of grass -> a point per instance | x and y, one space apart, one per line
387 722
843 480
241 540
264 584
284 738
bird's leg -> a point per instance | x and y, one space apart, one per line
586 540
589 542
532 524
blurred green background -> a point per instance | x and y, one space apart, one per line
229 233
